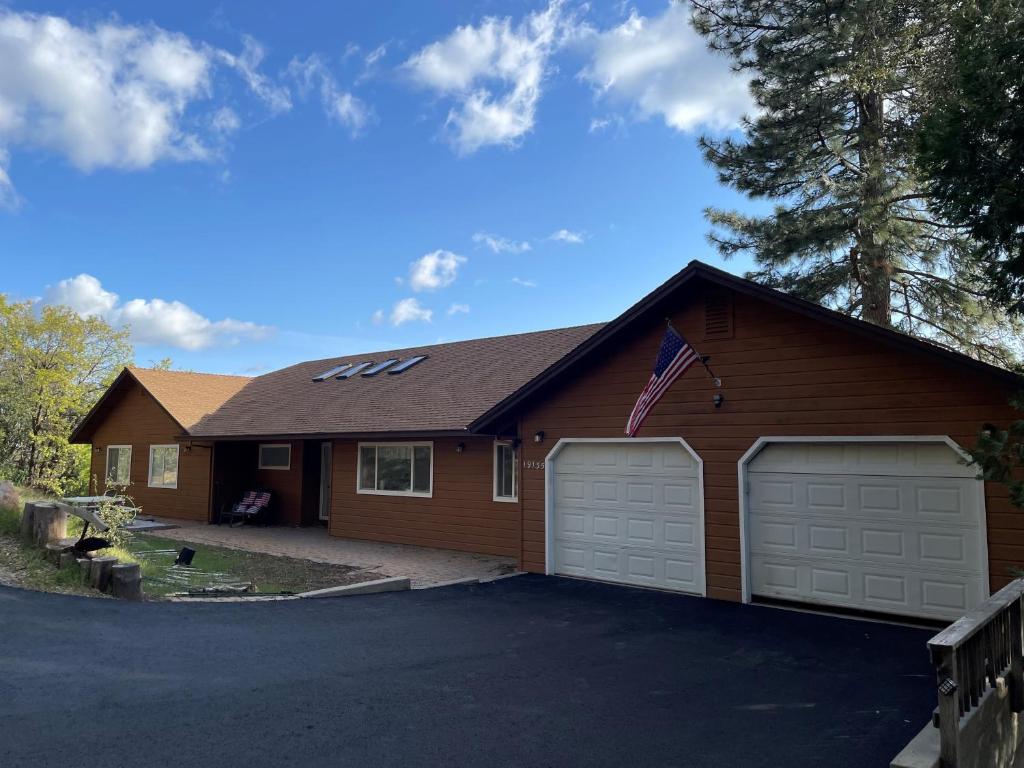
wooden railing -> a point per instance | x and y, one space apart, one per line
970 656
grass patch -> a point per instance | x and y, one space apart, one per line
214 566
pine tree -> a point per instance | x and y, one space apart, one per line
971 141
839 85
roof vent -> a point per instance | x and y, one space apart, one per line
718 315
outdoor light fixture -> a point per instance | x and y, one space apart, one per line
539 437
718 399
460 447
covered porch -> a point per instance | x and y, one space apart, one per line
297 473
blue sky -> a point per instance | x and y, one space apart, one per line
253 184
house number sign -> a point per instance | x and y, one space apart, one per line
531 464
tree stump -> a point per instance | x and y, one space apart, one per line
99 572
49 524
27 520
54 550
67 560
85 568
126 581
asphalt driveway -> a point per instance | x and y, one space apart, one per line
530 671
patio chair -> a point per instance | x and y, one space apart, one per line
254 506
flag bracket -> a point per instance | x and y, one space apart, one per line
702 358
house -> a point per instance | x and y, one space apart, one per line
828 468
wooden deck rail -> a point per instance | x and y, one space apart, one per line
969 655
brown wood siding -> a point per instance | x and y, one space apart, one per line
783 374
286 485
136 419
460 515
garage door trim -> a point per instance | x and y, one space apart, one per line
549 492
762 442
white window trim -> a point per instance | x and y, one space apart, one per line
514 498
259 456
106 470
359 469
149 473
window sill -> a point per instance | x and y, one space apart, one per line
507 499
164 487
415 494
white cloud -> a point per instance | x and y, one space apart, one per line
275 96
567 236
458 309
410 310
9 198
113 95
341 106
524 283
494 72
378 317
500 244
663 67
434 270
151 321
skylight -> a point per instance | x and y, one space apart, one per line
355 369
407 364
332 372
380 367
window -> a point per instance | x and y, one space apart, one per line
396 469
276 456
163 466
119 464
506 475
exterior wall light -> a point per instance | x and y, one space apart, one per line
460 447
718 399
539 437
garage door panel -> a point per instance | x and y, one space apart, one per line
838 525
674 495
951 500
873 588
925 459
628 513
869 540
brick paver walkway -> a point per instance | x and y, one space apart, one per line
424 566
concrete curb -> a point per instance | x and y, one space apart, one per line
396 584
503 576
452 583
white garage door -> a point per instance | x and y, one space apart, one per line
890 527
628 512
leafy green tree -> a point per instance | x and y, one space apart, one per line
971 140
53 367
838 86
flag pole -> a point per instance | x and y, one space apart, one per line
702 358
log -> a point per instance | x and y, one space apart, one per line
85 567
54 550
49 524
67 560
27 520
126 581
99 572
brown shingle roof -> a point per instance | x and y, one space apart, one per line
456 384
186 396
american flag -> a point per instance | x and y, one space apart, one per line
674 357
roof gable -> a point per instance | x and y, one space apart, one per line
184 396
657 303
